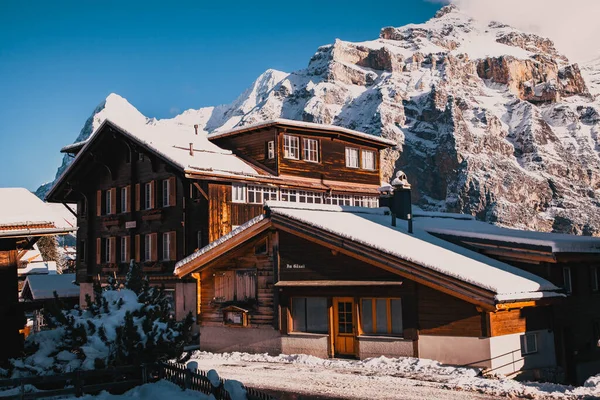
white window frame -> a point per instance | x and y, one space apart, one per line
310 150
108 199
371 158
124 197
148 195
525 350
352 157
567 280
124 249
271 149
291 147
238 193
339 200
148 247
166 246
259 194
288 195
166 191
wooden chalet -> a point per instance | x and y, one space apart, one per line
568 261
340 281
23 220
155 193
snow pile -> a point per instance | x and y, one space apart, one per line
275 372
160 390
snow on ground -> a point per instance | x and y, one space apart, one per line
377 378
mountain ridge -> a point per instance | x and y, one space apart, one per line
489 120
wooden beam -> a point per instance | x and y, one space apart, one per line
197 186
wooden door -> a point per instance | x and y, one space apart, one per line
343 326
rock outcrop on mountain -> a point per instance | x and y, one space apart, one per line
489 120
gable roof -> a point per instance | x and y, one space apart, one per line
22 213
42 287
302 125
465 226
360 228
172 143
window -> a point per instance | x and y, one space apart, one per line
381 316
108 250
291 147
351 157
166 193
567 283
339 200
261 248
309 314
148 245
310 148
238 193
108 196
125 199
289 195
368 159
148 196
310 197
271 150
168 246
235 285
529 344
366 201
124 249
260 194
595 283
140 156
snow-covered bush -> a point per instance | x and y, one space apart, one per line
123 325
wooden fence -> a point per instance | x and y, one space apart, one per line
117 380
198 380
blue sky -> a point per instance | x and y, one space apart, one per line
60 59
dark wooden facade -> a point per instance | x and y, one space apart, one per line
13 318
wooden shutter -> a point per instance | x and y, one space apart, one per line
153 246
98 251
99 202
113 201
172 191
137 197
137 248
172 246
113 249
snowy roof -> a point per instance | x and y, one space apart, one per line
23 213
372 227
42 287
38 267
301 124
31 255
466 226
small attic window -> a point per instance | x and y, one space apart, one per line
140 156
261 248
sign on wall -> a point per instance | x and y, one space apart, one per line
130 224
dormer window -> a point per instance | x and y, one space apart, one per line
310 149
291 147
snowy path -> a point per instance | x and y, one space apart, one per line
378 379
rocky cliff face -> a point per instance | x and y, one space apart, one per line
489 120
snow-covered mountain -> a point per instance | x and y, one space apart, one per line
490 121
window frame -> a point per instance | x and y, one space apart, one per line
256 190
389 316
107 251
362 159
270 150
348 158
525 350
124 199
307 151
166 192
166 255
108 202
307 330
123 251
148 195
288 148
238 193
148 247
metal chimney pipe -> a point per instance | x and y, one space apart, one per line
196 129
393 219
191 149
410 223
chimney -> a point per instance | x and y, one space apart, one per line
400 203
191 149
196 129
